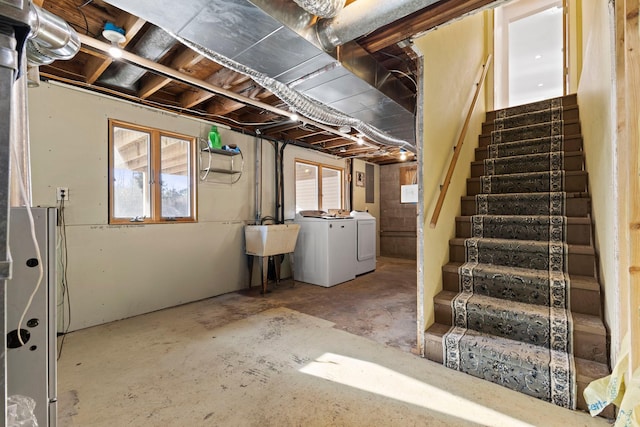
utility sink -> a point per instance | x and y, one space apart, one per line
272 239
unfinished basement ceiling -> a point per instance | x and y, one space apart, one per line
382 96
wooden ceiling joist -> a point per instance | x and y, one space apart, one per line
153 83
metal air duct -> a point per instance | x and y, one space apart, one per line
362 17
51 38
273 42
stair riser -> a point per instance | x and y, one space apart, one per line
568 114
535 132
577 263
584 301
570 144
576 206
575 183
567 101
434 352
577 234
571 163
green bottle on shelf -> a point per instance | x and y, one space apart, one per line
214 138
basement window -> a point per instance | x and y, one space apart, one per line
151 175
318 187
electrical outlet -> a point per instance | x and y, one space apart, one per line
62 193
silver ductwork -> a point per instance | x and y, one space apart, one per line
362 17
155 45
322 8
300 103
274 42
51 38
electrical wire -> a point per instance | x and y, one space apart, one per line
402 73
23 193
64 282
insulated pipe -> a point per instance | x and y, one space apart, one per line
51 38
362 17
322 8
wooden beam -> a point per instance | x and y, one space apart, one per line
628 77
96 66
418 22
223 77
153 83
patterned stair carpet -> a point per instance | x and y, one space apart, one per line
511 319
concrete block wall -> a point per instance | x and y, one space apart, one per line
397 220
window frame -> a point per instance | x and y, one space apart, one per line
155 165
320 167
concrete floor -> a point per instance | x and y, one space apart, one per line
303 356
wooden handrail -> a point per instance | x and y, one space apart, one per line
458 146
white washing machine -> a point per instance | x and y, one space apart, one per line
365 242
325 250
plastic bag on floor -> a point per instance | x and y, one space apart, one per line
612 389
20 411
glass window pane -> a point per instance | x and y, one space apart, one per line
306 187
131 195
175 171
331 189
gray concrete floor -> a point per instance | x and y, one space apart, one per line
301 356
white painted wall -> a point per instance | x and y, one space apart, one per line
453 55
122 271
596 97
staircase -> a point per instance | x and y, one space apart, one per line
521 305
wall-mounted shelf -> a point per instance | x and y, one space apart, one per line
228 165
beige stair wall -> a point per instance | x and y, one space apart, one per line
456 51
595 97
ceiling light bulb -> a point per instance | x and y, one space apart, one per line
116 36
403 156
294 117
360 141
115 51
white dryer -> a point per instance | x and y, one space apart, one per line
365 242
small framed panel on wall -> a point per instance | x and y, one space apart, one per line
369 195
409 184
360 179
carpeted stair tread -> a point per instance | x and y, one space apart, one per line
535 245
531 182
514 364
530 146
564 101
539 162
569 127
570 220
525 253
509 319
577 281
519 119
538 203
525 227
537 130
